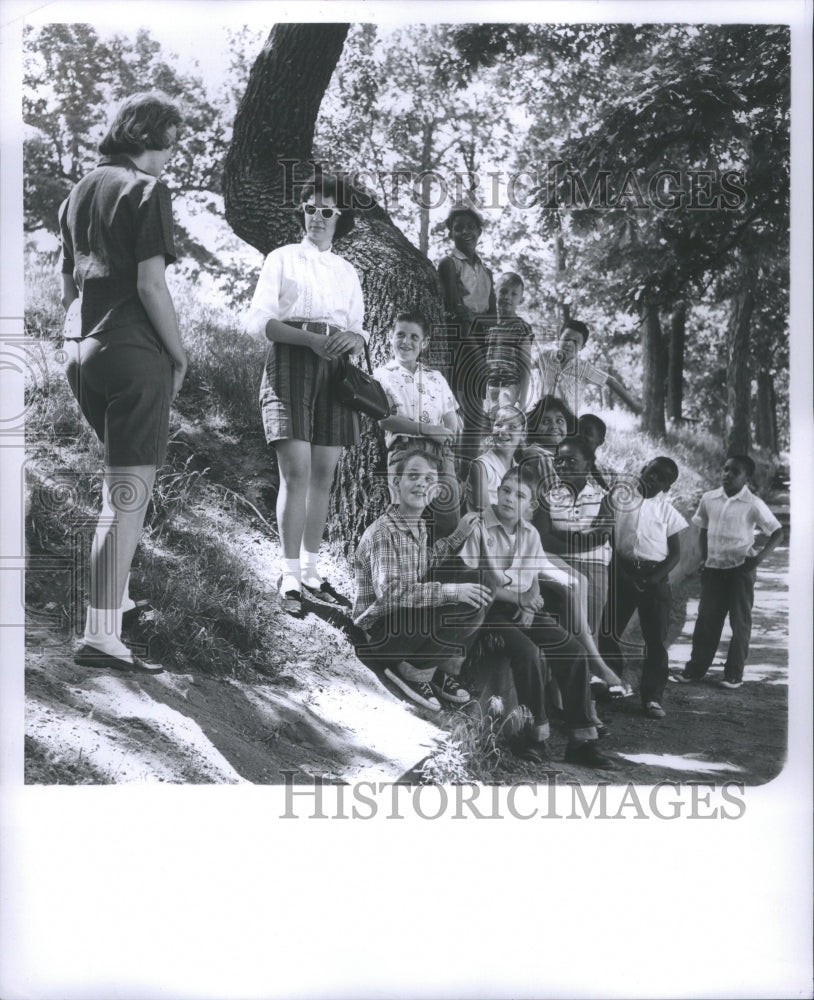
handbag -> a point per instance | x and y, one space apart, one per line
359 390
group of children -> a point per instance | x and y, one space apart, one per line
501 514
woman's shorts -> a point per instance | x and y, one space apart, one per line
297 399
122 380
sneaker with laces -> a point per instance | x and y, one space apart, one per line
447 687
418 691
654 711
731 685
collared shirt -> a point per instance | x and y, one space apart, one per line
300 281
423 395
512 560
567 382
474 281
114 218
642 529
576 515
731 523
392 561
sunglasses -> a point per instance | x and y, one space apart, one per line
326 213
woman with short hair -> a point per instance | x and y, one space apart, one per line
125 361
308 304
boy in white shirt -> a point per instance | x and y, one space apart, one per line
423 413
647 547
728 518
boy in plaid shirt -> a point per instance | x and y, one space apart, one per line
419 627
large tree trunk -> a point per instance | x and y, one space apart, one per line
738 378
653 371
675 362
271 147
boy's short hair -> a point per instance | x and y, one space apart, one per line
745 462
511 278
578 326
463 208
141 122
403 457
526 474
413 317
592 420
583 446
331 186
667 465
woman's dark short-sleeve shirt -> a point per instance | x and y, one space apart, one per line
114 218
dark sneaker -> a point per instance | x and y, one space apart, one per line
586 755
682 679
418 691
731 685
654 711
447 687
325 592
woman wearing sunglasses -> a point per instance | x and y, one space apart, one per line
308 304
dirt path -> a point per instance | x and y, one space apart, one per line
710 733
326 714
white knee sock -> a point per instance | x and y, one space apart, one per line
103 631
308 564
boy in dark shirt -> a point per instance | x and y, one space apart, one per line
508 348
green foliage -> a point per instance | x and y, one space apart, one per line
73 80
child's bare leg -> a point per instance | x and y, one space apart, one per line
575 590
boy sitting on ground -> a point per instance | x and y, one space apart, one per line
422 414
508 550
647 546
728 518
419 627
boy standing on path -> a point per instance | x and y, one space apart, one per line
728 518
647 546
421 628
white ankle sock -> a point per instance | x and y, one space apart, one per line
103 631
308 564
291 575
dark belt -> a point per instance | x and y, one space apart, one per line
640 564
314 326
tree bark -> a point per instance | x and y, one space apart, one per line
272 146
738 378
654 371
766 416
675 362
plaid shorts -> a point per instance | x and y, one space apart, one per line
297 399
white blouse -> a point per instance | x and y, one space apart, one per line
300 281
